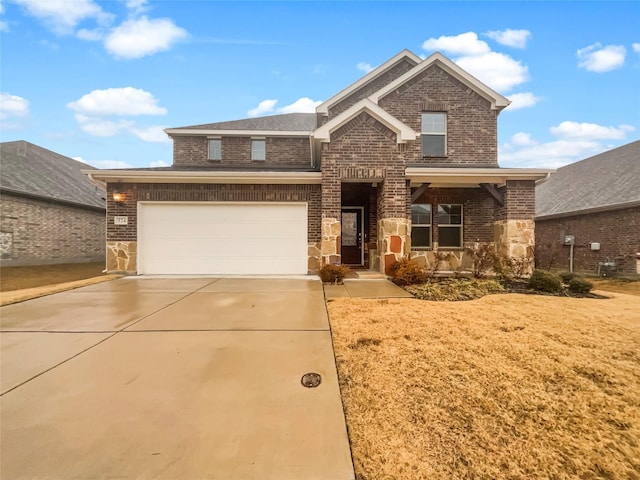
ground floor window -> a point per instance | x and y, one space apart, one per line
449 225
421 225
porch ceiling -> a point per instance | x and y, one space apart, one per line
472 177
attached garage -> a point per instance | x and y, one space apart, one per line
183 238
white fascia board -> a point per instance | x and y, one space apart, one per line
403 132
324 106
237 133
168 176
498 102
474 176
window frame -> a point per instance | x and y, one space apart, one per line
433 133
460 225
254 157
428 226
210 157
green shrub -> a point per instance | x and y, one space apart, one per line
408 272
567 276
544 282
580 285
333 273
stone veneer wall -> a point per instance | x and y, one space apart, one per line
122 257
394 241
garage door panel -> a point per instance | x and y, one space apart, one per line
187 238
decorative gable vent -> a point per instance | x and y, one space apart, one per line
428 106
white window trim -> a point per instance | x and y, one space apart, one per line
209 156
253 152
434 134
459 225
430 225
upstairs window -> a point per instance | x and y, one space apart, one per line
449 225
258 150
421 225
215 149
434 134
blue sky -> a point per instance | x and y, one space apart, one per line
99 80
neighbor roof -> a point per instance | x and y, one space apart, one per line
300 122
606 181
28 169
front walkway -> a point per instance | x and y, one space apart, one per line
361 288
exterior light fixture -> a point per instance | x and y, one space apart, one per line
118 196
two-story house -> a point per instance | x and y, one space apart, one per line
401 163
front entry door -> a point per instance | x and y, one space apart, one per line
352 236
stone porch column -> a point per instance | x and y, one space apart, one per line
331 241
394 241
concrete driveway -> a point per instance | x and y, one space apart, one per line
189 378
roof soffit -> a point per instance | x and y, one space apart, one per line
403 132
498 102
376 72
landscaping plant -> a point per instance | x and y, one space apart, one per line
543 281
333 273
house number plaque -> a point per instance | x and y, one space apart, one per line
120 220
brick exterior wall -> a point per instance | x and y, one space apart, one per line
366 90
617 231
180 192
236 152
37 232
519 200
478 212
364 150
471 123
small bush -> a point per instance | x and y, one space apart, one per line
333 273
408 272
484 258
455 290
544 282
580 285
567 276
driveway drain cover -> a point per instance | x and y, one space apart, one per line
311 380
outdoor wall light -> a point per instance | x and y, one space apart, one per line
118 197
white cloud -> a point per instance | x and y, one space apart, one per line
365 67
12 106
153 134
302 105
497 70
136 38
99 127
90 35
137 6
636 47
108 164
574 141
127 101
522 100
265 106
158 163
63 15
510 38
569 129
463 44
597 58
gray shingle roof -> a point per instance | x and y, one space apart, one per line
607 180
302 122
29 169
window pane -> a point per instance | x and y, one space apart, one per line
258 151
420 236
434 122
450 236
215 149
449 214
421 214
433 145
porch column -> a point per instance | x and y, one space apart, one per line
394 224
514 228
330 229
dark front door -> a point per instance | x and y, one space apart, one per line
352 236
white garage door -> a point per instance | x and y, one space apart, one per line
222 238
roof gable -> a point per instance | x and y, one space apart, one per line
368 78
35 171
605 181
402 131
498 102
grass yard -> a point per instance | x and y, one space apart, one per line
19 278
504 387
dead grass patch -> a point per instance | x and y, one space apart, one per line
504 387
19 278
620 285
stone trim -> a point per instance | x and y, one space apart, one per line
122 257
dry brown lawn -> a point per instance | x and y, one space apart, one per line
505 387
18 278
619 285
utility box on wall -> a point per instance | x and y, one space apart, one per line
595 246
569 239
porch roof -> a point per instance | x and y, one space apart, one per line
467 177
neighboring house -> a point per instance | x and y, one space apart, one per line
50 211
597 201
402 162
